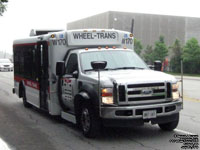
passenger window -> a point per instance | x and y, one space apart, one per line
72 64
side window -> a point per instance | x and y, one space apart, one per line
72 64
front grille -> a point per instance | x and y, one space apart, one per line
146 98
145 85
144 92
169 90
122 94
6 65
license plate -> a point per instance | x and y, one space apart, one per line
149 114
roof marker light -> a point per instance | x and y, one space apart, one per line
131 35
102 30
114 47
53 36
99 47
86 49
84 30
125 47
94 30
106 47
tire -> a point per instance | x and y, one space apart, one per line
169 126
26 104
90 124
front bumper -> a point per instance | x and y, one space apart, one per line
136 112
6 68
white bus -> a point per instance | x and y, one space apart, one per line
93 78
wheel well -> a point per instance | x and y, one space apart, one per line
78 102
21 88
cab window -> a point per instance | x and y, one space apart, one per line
72 64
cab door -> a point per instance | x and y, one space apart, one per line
42 70
69 81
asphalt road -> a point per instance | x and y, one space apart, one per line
31 129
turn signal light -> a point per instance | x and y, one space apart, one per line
53 36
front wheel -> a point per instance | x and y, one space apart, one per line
90 123
169 126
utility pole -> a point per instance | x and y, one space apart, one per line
5 53
132 26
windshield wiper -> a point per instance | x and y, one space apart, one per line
101 70
116 68
128 68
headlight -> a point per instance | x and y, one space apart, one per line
175 92
107 95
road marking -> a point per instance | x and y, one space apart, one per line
186 97
185 132
4 145
190 99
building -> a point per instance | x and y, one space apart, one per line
146 27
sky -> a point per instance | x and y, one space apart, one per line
23 15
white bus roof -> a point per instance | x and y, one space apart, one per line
85 38
96 37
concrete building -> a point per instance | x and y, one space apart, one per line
146 27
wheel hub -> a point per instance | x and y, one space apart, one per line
85 120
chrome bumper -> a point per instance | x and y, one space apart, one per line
136 112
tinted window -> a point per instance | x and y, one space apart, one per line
25 61
72 64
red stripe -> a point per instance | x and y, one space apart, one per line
27 82
25 44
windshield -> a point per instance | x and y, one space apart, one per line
115 59
5 61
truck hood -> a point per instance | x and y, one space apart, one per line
133 76
1 64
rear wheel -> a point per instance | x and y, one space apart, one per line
90 123
169 126
26 104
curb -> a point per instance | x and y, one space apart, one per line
188 78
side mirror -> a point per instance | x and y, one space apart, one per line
98 65
60 67
157 65
151 67
75 74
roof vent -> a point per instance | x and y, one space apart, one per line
41 32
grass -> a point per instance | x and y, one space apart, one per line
184 74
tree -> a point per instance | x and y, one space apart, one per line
191 56
160 50
137 46
2 6
175 62
148 55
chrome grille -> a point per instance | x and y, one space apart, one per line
144 93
